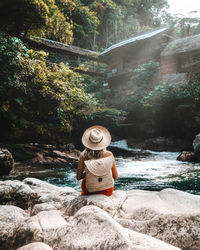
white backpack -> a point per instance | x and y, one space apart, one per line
99 174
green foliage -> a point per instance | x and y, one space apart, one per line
22 15
100 23
145 72
58 26
191 89
166 93
122 19
182 26
96 88
84 20
37 100
170 109
140 84
108 117
35 17
162 93
110 114
93 24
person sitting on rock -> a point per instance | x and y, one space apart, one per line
97 167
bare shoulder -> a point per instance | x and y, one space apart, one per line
108 153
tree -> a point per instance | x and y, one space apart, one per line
22 16
119 20
37 100
35 17
84 22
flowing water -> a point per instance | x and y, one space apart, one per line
154 172
157 171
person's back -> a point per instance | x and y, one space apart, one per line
97 166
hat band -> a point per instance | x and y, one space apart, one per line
97 141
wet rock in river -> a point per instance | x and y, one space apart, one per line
192 156
34 153
127 152
6 162
187 156
196 146
196 143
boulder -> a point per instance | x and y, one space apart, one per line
34 153
175 79
196 147
35 246
127 152
50 196
169 215
45 227
93 228
11 218
196 143
90 228
6 162
66 220
46 221
192 156
17 193
46 207
189 156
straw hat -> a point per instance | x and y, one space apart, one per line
96 138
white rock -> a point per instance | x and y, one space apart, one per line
46 220
167 201
36 246
93 228
12 214
49 193
37 184
45 207
11 217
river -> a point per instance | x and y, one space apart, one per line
154 172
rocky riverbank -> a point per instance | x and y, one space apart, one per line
35 153
14 157
46 155
51 217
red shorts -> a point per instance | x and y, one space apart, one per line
106 192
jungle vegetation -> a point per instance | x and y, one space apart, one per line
42 101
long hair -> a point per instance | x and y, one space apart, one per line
89 154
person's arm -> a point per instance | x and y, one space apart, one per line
114 170
80 174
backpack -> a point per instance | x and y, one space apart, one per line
99 174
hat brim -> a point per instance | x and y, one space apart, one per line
96 146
